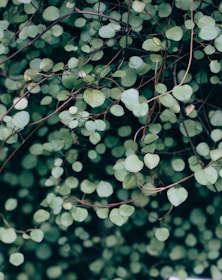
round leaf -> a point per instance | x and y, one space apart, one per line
116 218
11 204
177 196
21 119
126 210
209 33
51 13
104 189
183 93
133 164
37 235
151 160
138 6
79 214
16 259
107 31
175 33
162 234
41 215
94 97
206 176
8 236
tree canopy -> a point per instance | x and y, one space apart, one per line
110 139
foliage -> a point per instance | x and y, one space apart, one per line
111 151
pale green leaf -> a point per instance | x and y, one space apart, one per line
51 13
24 1
215 66
133 164
151 160
41 215
174 33
104 189
8 235
216 154
102 213
117 110
206 176
140 109
107 32
151 45
135 62
20 103
94 97
21 119
183 92
138 6
116 218
11 204
209 33
190 128
177 195
126 210
57 171
79 214
162 234
66 219
178 164
129 97
16 259
164 10
37 235
218 43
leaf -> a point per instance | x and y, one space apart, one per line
164 10
215 66
104 189
102 213
11 204
117 110
206 176
151 45
209 33
151 160
117 218
190 128
107 32
20 103
16 259
133 164
129 97
135 62
66 219
37 235
138 6
79 214
24 1
21 119
41 215
177 195
57 171
169 101
175 33
218 43
94 97
162 234
8 235
51 13
126 210
182 93
129 78
140 109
